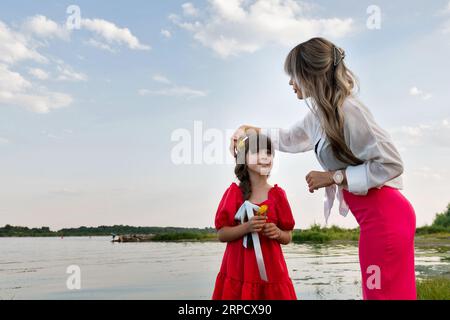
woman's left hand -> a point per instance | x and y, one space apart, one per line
318 179
271 231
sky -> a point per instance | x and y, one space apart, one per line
96 99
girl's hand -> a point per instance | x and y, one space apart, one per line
256 223
271 231
317 180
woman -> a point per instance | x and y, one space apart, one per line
362 166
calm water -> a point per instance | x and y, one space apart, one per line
35 268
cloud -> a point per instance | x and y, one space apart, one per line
43 27
100 45
414 91
111 33
66 73
178 91
435 134
166 33
143 92
18 46
189 9
427 173
172 90
38 73
446 10
161 79
232 27
16 90
15 47
4 141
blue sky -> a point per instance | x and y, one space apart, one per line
87 115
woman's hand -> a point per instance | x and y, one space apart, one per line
318 179
271 231
239 133
256 223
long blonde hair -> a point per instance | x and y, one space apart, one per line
320 73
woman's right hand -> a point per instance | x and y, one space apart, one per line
239 133
256 223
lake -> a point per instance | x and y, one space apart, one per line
35 268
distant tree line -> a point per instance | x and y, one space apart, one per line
441 223
15 231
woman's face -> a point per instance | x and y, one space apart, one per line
260 163
297 91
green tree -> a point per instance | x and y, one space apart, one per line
442 219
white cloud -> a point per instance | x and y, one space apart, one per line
160 78
143 92
66 73
414 91
189 9
177 91
427 173
4 141
100 45
43 27
15 47
172 90
231 27
435 134
166 33
38 73
447 9
16 90
111 33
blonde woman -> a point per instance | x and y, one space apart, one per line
362 167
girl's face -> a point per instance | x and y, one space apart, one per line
297 90
260 163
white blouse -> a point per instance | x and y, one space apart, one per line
382 165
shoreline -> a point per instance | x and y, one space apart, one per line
421 241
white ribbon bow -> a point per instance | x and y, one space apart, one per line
246 209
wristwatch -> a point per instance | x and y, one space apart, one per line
338 177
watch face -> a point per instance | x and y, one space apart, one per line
338 177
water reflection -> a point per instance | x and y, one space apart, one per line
35 268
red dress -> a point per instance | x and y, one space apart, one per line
239 278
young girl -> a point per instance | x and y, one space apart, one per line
240 277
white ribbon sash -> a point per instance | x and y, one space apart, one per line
247 210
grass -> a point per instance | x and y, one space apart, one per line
317 234
437 288
181 236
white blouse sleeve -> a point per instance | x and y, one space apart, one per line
373 145
298 138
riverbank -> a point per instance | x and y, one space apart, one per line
425 237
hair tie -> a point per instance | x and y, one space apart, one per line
339 55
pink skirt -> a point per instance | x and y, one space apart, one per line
386 245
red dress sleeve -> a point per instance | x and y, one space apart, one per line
284 213
228 206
